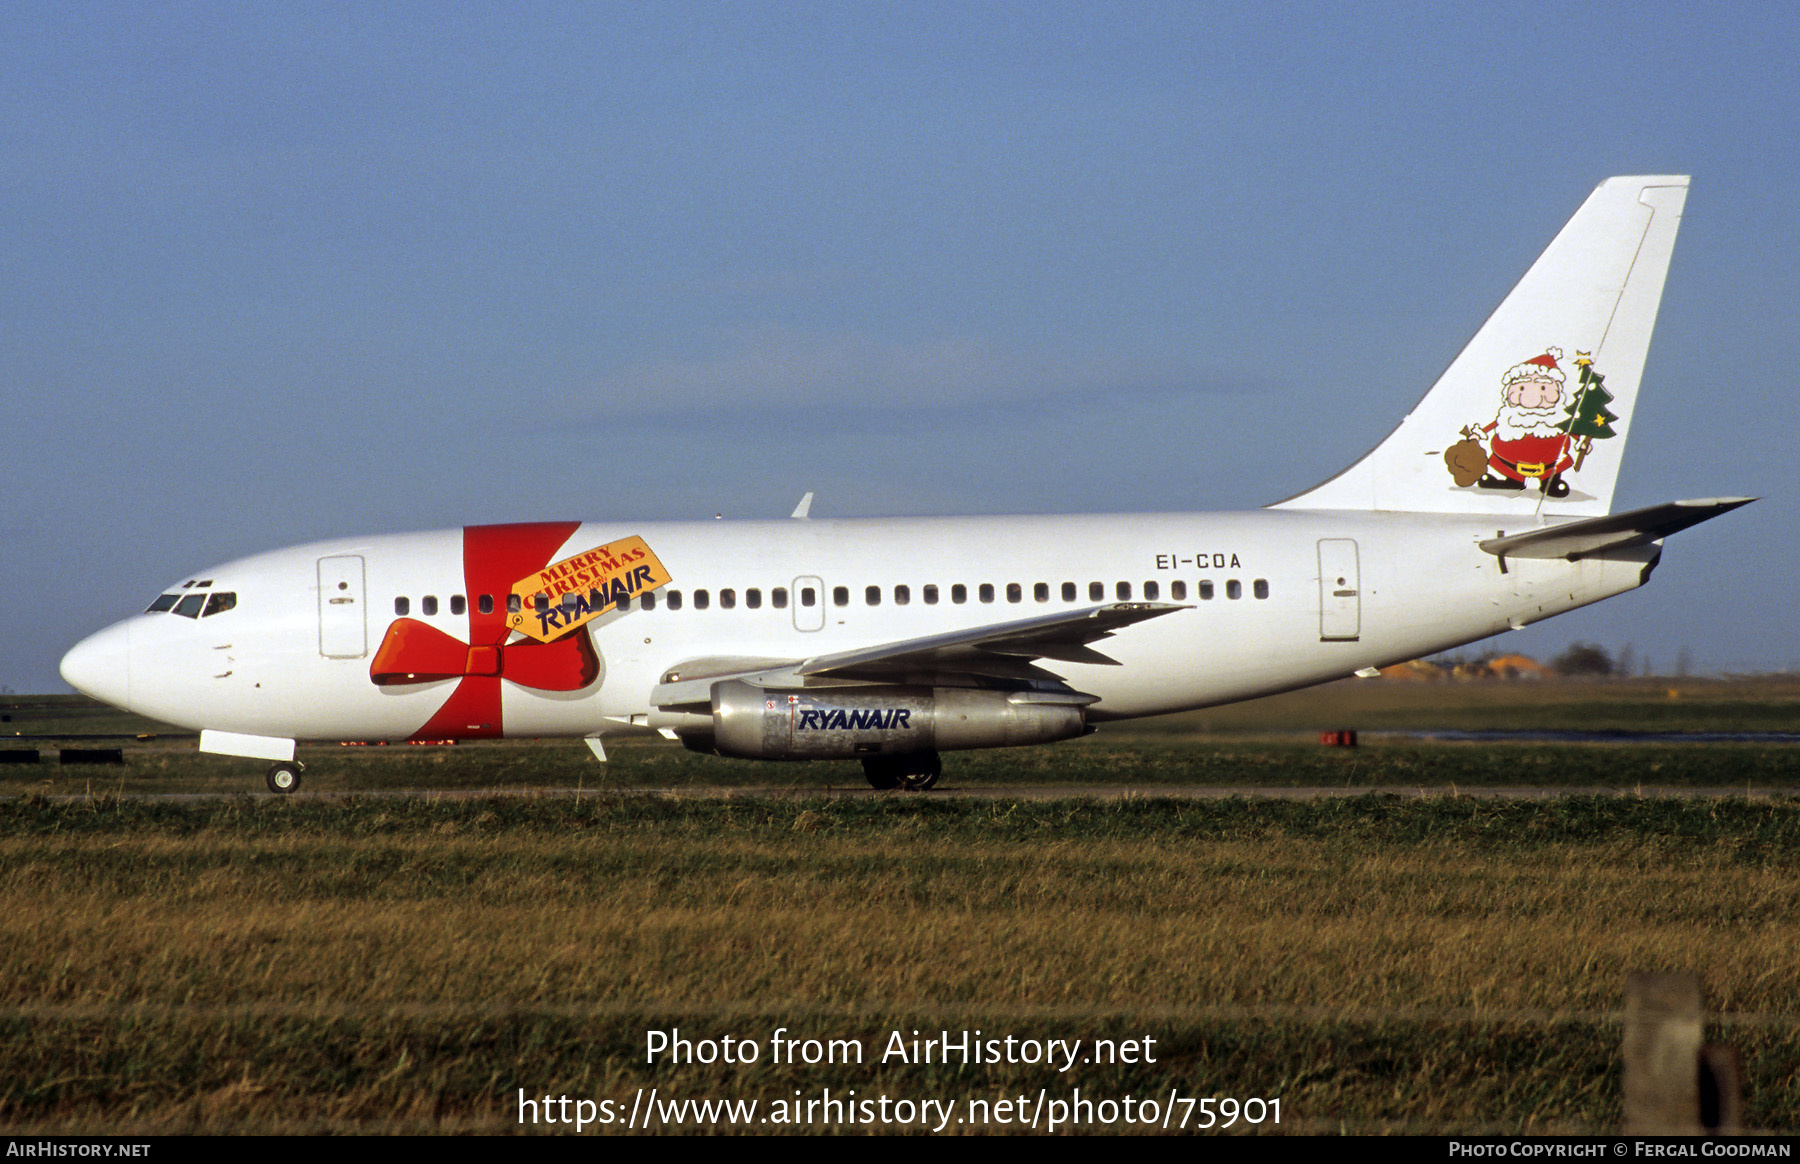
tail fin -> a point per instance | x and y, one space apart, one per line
1535 411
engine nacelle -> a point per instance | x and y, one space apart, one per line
851 722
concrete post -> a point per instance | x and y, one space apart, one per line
1663 1029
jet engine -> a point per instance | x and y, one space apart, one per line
830 723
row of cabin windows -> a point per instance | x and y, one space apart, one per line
1040 592
428 605
753 598
872 596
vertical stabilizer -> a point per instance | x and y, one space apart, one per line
1533 415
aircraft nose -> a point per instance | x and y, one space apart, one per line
100 665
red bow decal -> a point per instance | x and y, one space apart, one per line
417 652
494 557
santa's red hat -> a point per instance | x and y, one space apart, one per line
1536 368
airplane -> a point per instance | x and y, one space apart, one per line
890 641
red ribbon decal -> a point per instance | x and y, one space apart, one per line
494 557
417 652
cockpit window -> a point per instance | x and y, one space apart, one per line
197 602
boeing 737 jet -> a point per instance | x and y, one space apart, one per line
893 640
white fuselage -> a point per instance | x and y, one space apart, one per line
1276 599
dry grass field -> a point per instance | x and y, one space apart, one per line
357 964
252 965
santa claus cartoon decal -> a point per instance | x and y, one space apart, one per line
1543 429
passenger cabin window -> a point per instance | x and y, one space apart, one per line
1151 591
649 602
485 604
1124 591
1206 591
1068 591
428 605
727 599
872 595
840 596
778 598
931 595
959 593
986 592
513 605
219 603
1234 589
1178 591
702 600
1014 592
1260 587
1041 592
458 604
1096 591
402 606
902 595
808 596
753 598
674 600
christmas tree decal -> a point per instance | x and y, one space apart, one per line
1588 419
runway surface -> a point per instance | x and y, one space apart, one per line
1006 792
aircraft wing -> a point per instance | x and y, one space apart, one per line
1614 531
1004 650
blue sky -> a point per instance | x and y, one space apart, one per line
284 273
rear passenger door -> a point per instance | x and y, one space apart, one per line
1340 591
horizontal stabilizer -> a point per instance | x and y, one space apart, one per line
1617 531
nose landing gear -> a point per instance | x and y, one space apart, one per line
284 777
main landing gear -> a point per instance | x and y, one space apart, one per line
284 776
912 771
